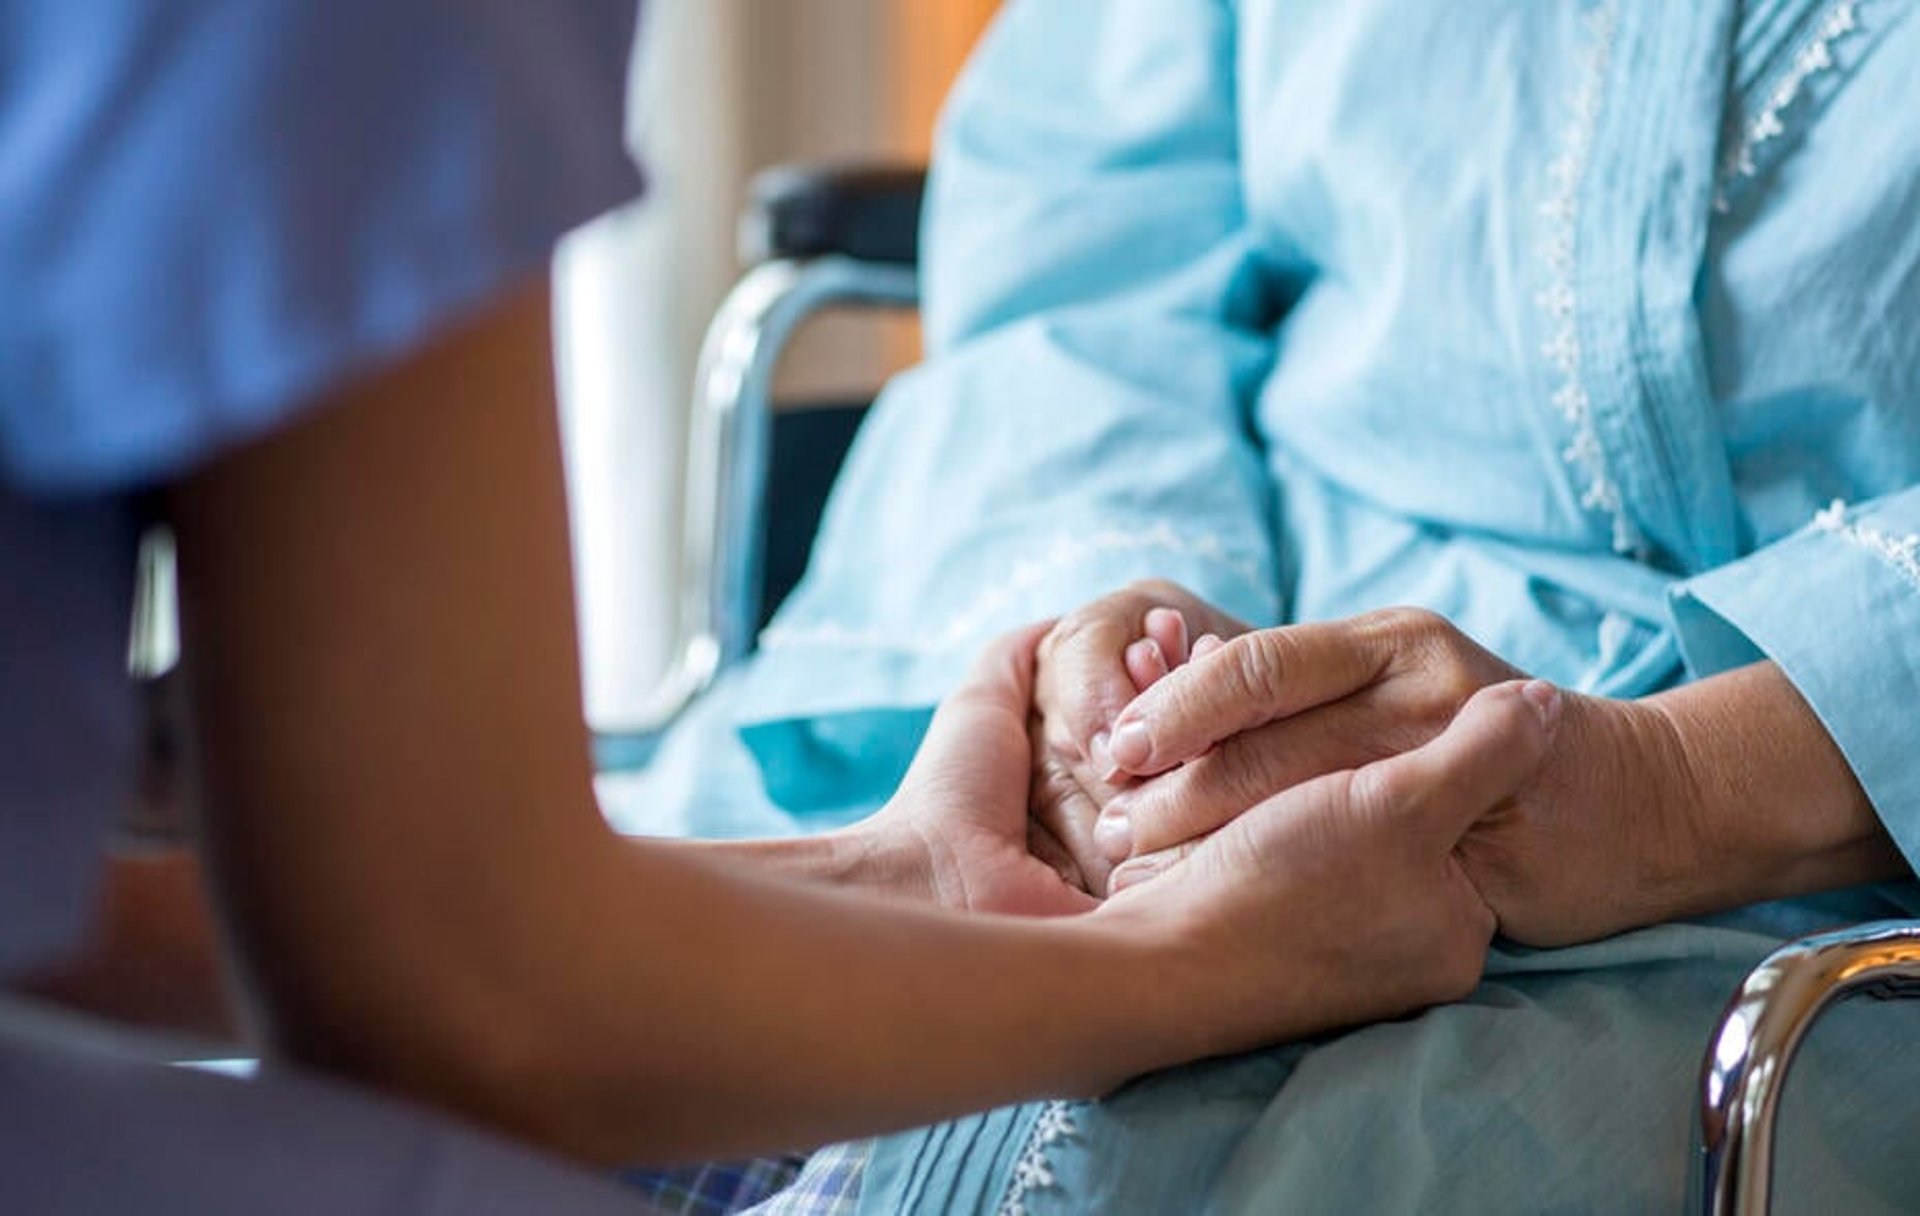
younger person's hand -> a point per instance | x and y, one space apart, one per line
958 827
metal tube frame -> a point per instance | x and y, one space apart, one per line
1753 1046
729 447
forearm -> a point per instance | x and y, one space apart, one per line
1770 805
712 1012
850 859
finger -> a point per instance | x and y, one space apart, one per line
1146 664
1149 866
1064 808
1085 671
1205 645
1046 848
1206 793
1490 751
989 708
1168 627
1248 682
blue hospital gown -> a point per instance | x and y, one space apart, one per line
1593 326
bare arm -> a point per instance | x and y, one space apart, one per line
1714 795
1774 808
404 833
404 838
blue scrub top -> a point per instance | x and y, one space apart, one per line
210 212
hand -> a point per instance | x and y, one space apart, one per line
958 823
1091 664
1276 707
1603 841
1717 794
1342 899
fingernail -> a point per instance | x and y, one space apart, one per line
1101 753
1113 834
1131 746
1132 874
1546 701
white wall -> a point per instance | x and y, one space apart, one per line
721 87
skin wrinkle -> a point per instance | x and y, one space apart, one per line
1704 798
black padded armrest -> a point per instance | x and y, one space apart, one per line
869 212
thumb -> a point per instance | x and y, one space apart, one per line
1493 747
987 712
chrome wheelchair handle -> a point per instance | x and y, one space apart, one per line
728 449
1754 1043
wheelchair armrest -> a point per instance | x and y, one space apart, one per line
814 238
868 213
1755 1040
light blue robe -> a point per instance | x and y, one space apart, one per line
1593 326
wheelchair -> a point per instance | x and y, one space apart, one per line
817 238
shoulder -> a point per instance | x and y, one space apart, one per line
219 208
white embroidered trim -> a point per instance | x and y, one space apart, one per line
1033 1172
1902 552
971 621
1561 300
1814 58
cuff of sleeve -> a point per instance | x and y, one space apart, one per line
1836 606
833 713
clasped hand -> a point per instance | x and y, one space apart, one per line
1336 897
1145 747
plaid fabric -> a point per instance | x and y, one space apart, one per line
824 1184
829 1185
715 1188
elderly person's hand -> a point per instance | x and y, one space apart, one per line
1091 664
1344 896
1594 845
1709 796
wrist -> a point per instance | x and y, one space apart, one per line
1622 767
1160 1003
866 856
1770 791
882 857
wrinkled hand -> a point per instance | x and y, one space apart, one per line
959 819
1342 899
1276 707
1091 664
1599 843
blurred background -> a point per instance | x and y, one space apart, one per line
721 89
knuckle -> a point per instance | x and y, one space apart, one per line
1259 664
1063 635
1155 589
1454 682
1406 621
1373 793
1058 801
